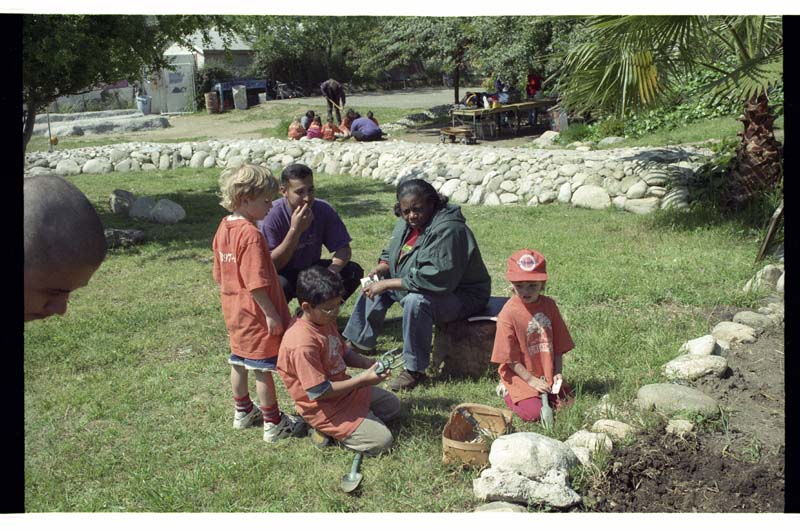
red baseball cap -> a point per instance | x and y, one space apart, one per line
526 265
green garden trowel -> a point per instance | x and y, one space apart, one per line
547 412
351 480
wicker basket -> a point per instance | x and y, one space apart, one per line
457 433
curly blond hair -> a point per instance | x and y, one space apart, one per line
245 181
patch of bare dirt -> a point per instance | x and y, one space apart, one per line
734 464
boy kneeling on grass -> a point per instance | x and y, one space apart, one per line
253 303
530 340
313 361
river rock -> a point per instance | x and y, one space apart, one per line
691 367
669 398
97 165
67 167
734 332
496 485
590 196
679 427
642 206
616 430
765 279
166 211
121 201
142 208
704 345
755 320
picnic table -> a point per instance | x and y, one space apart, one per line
474 117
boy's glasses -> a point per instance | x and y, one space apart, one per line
331 311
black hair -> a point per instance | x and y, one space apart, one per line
370 114
310 113
295 172
356 116
422 189
317 285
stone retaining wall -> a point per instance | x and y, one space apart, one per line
638 180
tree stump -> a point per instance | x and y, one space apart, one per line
463 348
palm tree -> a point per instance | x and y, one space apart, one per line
630 62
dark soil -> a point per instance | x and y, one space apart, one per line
733 464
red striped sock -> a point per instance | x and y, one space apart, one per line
243 404
271 414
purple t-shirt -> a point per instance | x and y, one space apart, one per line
326 229
366 126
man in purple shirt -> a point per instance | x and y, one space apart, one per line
296 228
365 130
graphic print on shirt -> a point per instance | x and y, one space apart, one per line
335 359
539 337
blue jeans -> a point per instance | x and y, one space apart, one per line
420 313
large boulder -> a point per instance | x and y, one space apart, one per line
530 454
67 167
142 208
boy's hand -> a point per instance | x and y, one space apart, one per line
374 289
274 325
381 270
540 385
302 217
373 378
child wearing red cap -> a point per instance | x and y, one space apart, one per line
530 340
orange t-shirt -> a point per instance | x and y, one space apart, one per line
329 131
296 131
309 356
242 263
531 334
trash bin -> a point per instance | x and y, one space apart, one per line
143 104
212 102
240 97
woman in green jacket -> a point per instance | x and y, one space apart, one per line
432 265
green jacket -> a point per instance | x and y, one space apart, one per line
445 258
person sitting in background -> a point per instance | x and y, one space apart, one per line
306 120
347 121
296 130
365 130
315 128
371 116
330 131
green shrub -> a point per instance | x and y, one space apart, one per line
576 132
611 127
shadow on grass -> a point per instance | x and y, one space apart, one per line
596 387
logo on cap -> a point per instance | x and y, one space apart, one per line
527 263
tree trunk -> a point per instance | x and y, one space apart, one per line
28 120
758 166
456 81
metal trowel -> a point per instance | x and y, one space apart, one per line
547 412
351 480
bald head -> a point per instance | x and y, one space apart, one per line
64 243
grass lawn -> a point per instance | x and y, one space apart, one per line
127 398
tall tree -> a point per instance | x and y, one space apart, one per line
399 41
633 61
70 54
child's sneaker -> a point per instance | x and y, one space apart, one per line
243 420
319 439
290 425
500 390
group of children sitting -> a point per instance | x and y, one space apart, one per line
312 358
310 126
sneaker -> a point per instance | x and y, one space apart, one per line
500 390
290 425
406 380
319 439
243 420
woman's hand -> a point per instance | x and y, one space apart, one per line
381 270
374 289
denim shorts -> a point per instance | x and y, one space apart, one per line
260 365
